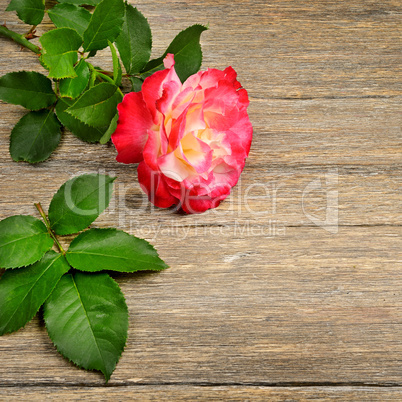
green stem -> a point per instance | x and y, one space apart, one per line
105 72
57 88
93 75
49 229
19 39
106 78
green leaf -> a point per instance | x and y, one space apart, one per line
111 129
77 127
29 89
72 87
112 249
187 54
135 41
23 241
117 72
81 2
92 53
70 16
59 51
97 106
86 317
105 24
35 136
136 84
24 290
79 201
29 11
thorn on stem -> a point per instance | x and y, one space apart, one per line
31 36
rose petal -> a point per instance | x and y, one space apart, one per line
173 167
196 152
131 132
154 148
152 89
154 186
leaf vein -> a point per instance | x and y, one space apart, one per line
33 284
89 322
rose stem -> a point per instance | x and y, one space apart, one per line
47 223
19 39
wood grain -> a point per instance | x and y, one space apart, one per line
216 393
245 308
263 299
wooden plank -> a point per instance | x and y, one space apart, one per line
215 393
327 132
293 133
280 196
294 49
235 307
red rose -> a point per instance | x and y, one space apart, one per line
191 139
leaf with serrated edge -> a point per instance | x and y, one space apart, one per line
70 16
24 290
97 106
23 241
59 51
35 136
77 127
105 24
72 87
112 249
187 54
86 317
29 89
29 11
135 41
79 201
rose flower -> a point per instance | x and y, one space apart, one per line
191 139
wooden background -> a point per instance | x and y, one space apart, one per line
260 302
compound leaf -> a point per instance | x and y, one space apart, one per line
24 290
112 249
23 241
86 317
79 201
29 89
35 136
